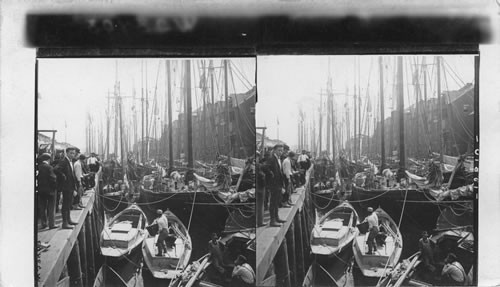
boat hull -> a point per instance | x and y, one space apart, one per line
335 230
124 233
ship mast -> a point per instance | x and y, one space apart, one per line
400 91
441 136
170 129
382 117
189 118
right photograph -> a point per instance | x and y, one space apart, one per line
365 170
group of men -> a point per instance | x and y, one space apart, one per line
452 274
66 176
277 175
242 275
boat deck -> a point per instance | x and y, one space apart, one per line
175 252
385 250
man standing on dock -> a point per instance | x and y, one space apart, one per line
372 220
67 181
304 162
93 163
79 174
276 185
47 184
288 172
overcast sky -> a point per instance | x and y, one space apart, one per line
287 83
71 88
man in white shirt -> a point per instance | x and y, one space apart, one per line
93 163
453 272
303 157
162 222
288 172
243 274
79 174
372 220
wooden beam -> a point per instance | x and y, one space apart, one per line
300 248
305 237
290 238
90 250
82 244
281 266
74 266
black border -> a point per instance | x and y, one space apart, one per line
59 36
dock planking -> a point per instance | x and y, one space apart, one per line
61 243
270 238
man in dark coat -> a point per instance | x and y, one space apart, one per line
276 185
47 185
67 182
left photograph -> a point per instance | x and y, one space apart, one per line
145 172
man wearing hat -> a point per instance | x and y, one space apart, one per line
303 160
288 172
243 274
372 220
276 185
67 182
46 186
79 174
162 222
453 272
93 163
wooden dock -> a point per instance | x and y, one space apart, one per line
285 249
73 257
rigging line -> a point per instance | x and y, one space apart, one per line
242 75
357 201
192 209
329 275
239 76
243 115
229 212
453 71
403 209
423 110
150 127
365 113
237 107
458 117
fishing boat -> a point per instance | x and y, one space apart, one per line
124 232
126 273
335 230
201 271
171 264
412 271
386 256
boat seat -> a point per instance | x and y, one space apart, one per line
122 227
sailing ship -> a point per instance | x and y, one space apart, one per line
187 184
335 230
386 256
124 232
